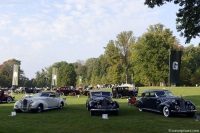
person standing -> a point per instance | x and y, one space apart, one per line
1 95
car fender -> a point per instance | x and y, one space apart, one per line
37 102
165 103
17 104
116 104
139 103
190 102
91 103
63 100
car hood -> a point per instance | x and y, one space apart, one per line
170 98
101 98
35 98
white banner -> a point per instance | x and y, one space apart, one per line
15 75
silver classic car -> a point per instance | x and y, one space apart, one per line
39 102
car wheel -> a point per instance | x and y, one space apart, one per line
115 95
166 111
91 113
39 108
87 106
61 106
9 99
120 96
73 94
140 109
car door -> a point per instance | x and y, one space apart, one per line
145 100
53 100
152 102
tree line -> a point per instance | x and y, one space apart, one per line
140 60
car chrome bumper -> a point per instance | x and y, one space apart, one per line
185 111
104 109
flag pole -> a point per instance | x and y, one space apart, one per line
169 82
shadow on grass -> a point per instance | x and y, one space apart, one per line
75 118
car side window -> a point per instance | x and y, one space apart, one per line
152 94
145 94
52 95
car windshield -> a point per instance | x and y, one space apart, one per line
100 94
164 93
44 94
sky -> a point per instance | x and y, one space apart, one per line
40 33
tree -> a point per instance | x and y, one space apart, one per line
124 42
151 55
66 75
41 79
190 65
188 17
112 57
118 55
6 73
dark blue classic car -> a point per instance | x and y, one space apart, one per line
101 102
163 101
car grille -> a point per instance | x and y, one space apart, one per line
24 103
182 105
104 103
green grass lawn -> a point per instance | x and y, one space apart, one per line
74 118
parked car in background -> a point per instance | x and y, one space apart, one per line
19 90
82 91
6 96
68 90
32 90
39 102
163 101
124 91
101 102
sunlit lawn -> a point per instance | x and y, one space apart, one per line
74 118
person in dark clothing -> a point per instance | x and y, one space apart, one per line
1 95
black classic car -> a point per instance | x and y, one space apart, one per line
101 102
123 91
163 101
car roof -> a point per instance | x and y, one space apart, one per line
154 91
121 87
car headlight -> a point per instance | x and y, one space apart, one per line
30 105
192 107
16 106
174 102
177 108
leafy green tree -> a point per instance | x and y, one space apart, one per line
151 55
191 65
41 78
66 75
112 56
6 73
92 70
118 55
188 17
125 42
